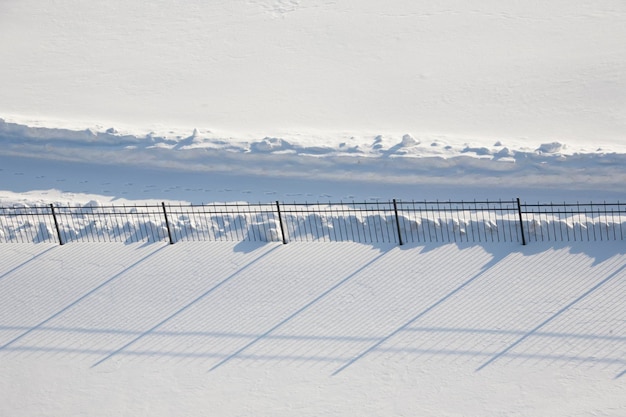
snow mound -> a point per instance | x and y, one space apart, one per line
408 141
382 159
552 147
270 145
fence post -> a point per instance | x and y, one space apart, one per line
280 220
56 224
521 222
167 223
395 210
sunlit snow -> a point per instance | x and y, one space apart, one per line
168 102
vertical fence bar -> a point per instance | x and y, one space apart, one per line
521 221
56 224
167 224
395 209
280 221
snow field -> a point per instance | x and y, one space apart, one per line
128 102
516 326
530 71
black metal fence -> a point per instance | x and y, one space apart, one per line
574 222
369 222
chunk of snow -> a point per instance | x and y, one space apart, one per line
552 147
408 141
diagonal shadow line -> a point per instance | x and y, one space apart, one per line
78 300
297 312
533 331
621 374
23 264
418 316
185 307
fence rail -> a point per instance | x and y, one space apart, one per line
368 222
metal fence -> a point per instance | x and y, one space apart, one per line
369 222
574 222
402 222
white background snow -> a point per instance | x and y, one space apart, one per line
312 100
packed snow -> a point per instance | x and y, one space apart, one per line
171 102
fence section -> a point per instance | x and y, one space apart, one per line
22 224
372 222
111 223
96 223
401 222
477 221
574 222
224 222
340 222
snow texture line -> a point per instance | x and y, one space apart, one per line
232 335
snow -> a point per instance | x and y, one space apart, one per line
302 328
496 69
203 168
126 102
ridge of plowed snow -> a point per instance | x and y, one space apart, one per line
387 160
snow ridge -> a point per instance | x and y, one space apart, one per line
376 158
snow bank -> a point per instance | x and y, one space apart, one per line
380 161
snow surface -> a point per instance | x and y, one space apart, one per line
312 100
39 165
311 329
547 71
